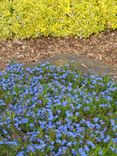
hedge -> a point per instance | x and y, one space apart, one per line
33 18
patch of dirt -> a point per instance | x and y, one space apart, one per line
102 48
84 64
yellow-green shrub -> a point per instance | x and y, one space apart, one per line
32 18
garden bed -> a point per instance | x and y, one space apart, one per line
56 111
58 78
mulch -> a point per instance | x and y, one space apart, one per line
102 47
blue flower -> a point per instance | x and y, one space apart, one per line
107 138
114 140
21 153
91 144
100 152
31 125
113 149
96 119
82 152
24 120
1 142
2 103
112 122
86 148
64 103
69 114
74 152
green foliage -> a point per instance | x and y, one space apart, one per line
6 150
32 18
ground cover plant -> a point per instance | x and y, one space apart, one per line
56 111
33 18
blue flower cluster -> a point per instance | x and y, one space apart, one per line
55 111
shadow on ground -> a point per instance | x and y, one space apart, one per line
84 64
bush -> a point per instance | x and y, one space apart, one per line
50 110
32 18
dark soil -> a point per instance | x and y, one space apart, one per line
97 53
